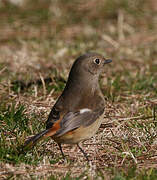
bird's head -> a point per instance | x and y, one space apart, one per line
89 64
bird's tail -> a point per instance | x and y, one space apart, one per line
31 142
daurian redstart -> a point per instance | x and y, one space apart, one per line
78 112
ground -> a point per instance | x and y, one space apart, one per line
39 41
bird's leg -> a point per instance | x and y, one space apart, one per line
85 155
60 147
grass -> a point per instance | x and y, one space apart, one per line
14 125
38 43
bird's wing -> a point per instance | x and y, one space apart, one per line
54 116
73 120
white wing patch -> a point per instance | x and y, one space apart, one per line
84 110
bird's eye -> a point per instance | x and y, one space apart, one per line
97 61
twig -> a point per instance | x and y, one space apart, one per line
129 118
35 91
2 70
154 113
111 41
131 154
120 25
43 83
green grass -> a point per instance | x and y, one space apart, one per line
149 174
14 125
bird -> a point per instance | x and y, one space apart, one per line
78 112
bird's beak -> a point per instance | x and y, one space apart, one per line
106 61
